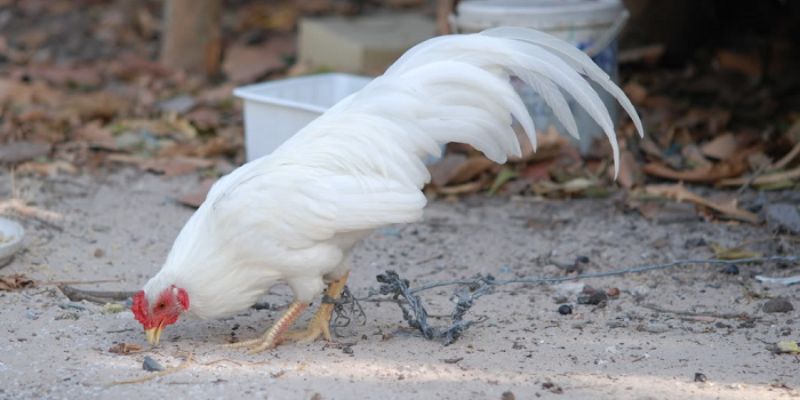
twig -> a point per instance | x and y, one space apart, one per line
686 313
95 296
154 375
18 206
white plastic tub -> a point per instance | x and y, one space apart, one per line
590 25
274 111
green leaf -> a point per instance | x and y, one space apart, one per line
505 175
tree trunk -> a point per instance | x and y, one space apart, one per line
192 35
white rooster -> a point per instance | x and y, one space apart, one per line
293 216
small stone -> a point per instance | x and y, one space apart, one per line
731 270
783 218
151 365
612 292
68 315
565 309
560 299
99 253
700 377
777 305
694 242
508 395
596 298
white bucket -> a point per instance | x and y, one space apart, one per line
274 111
590 25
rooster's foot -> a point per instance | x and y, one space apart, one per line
274 335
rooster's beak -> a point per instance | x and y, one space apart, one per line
154 334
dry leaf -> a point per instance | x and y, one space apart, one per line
629 171
196 197
125 348
747 64
15 282
734 253
247 63
168 166
787 346
767 179
443 171
636 92
679 193
789 157
471 168
98 136
46 168
705 174
465 188
721 147
16 152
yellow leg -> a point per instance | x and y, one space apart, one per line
274 335
320 324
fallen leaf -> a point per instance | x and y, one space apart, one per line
245 64
704 174
721 147
168 166
747 64
17 152
196 197
636 92
125 348
766 179
445 169
789 157
505 175
629 171
679 193
97 136
734 253
46 168
787 346
471 168
15 282
465 188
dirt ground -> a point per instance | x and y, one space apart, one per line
120 225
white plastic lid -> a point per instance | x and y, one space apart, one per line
537 14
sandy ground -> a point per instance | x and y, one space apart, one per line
121 225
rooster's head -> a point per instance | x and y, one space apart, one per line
165 310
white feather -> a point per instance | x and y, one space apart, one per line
294 215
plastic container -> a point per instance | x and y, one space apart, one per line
11 235
274 111
590 25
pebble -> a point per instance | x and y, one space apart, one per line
613 292
75 306
508 395
151 365
777 305
700 377
783 217
731 270
68 315
596 298
565 309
